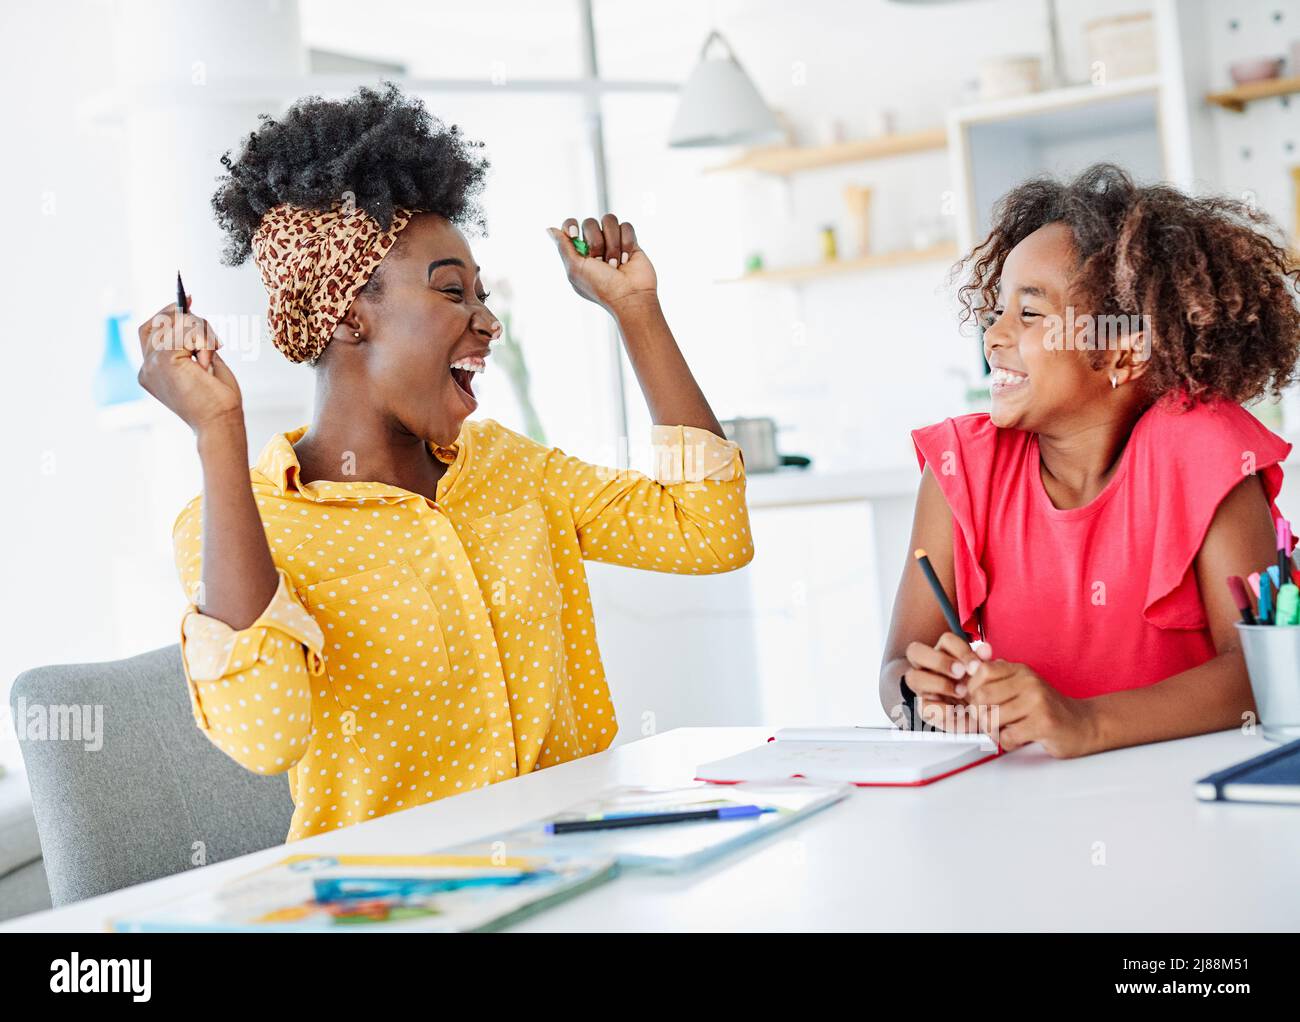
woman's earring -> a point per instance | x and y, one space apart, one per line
1114 381
357 333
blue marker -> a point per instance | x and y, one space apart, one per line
1266 596
613 821
335 889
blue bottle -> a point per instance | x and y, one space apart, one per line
115 380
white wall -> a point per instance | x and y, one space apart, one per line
1254 149
63 266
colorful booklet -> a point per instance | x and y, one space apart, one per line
861 756
744 813
380 893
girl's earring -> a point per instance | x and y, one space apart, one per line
357 333
1114 381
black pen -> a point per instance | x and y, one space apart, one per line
182 305
617 821
950 615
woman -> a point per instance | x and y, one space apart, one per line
1087 525
394 606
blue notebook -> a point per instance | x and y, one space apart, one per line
1272 777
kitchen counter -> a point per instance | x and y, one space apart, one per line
792 487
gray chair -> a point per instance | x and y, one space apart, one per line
155 799
23 887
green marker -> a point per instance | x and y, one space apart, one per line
581 246
1288 605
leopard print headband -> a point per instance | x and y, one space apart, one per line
313 263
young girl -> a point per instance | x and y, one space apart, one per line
394 608
1089 523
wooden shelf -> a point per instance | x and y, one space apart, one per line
1235 99
946 250
1083 100
792 159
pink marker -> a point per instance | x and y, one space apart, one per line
1253 579
1283 549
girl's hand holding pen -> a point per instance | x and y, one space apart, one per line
939 674
1023 708
181 367
613 272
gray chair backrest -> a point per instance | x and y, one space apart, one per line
154 798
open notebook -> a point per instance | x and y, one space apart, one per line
856 755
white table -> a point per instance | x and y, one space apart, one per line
1109 842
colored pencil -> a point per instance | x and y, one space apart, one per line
945 605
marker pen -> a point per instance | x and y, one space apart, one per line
183 306
1288 595
1241 598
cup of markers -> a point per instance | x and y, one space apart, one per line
1269 603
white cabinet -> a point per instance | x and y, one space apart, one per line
996 146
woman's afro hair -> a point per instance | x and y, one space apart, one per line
1211 273
379 148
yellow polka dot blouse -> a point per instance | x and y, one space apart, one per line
416 648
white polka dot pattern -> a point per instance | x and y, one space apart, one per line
417 649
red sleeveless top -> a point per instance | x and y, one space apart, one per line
1103 597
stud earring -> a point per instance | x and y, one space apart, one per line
357 333
1114 381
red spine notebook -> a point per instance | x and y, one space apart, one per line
865 756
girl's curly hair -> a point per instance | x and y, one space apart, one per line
379 146
1209 275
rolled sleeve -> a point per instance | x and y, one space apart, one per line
688 454
690 518
249 688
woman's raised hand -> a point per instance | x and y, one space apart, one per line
614 271
182 369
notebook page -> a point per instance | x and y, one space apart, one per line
879 734
853 762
